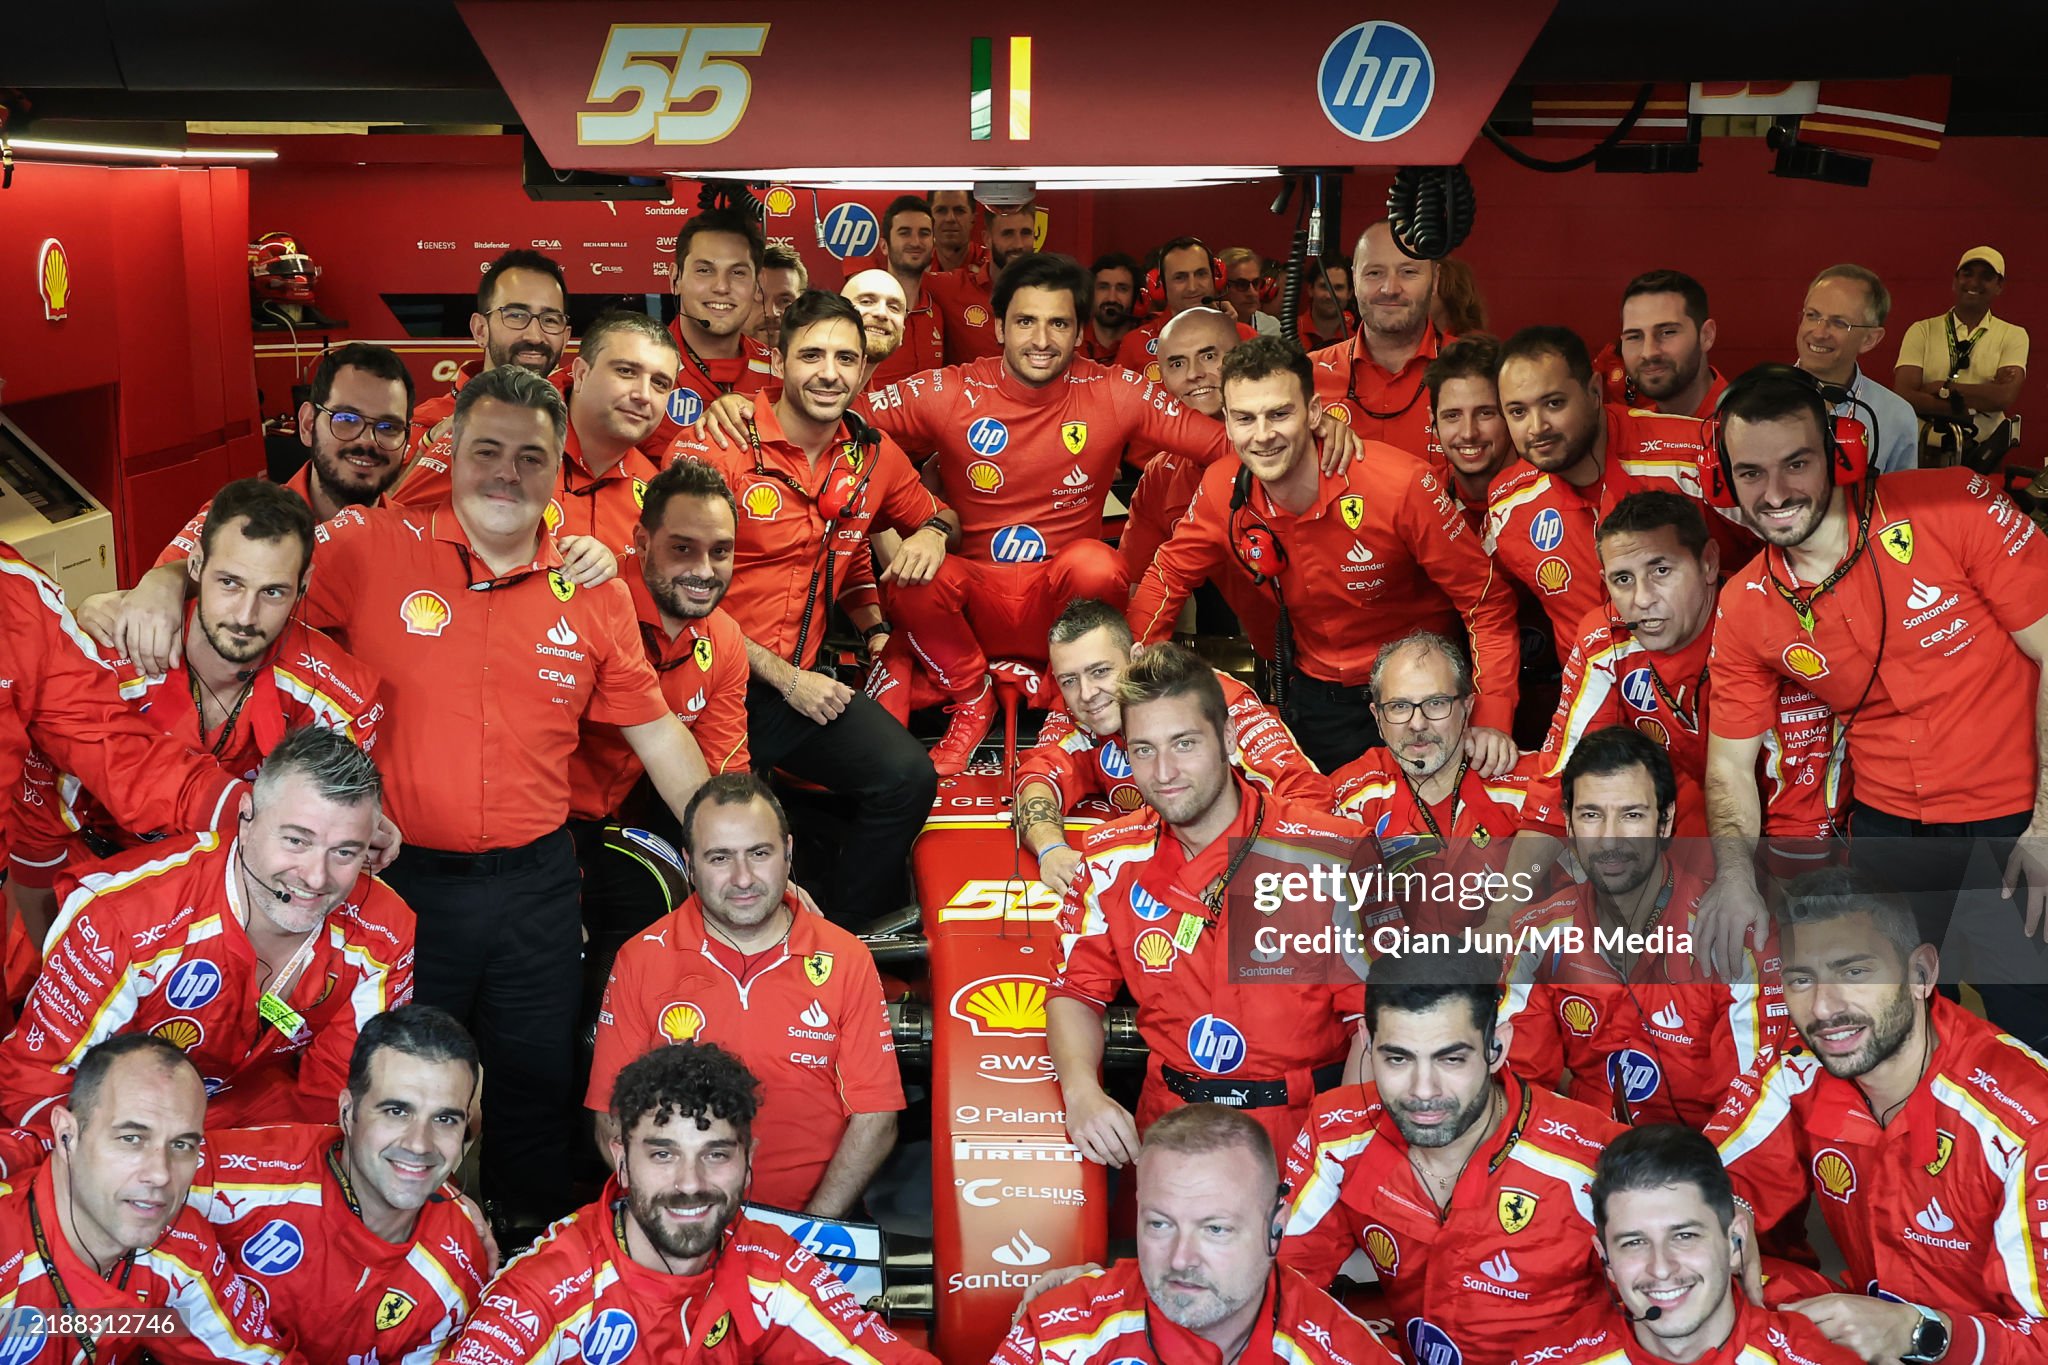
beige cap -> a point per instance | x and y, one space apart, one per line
1990 255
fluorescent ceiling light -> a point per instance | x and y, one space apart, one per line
964 177
96 149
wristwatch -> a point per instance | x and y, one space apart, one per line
870 632
1942 393
1930 1338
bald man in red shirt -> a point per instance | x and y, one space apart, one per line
1375 380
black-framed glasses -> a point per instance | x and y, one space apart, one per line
517 317
350 426
1401 712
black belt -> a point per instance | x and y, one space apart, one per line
1235 1094
1301 683
435 862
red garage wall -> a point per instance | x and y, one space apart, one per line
144 392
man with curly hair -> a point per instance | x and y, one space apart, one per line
667 1255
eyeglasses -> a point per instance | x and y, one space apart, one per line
1813 319
517 317
349 426
1401 712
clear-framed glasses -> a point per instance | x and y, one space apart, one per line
517 316
349 426
1401 712
1813 319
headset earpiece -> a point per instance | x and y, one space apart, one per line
1844 439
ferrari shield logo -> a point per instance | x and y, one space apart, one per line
855 456
392 1309
639 492
817 967
718 1330
1944 1143
1517 1207
562 588
1897 540
1351 507
1075 434
701 651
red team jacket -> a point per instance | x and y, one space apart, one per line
1164 493
810 1024
56 696
1134 919
1541 528
1478 819
276 1202
1662 1046
703 677
1465 1284
1945 1207
308 680
1383 552
1028 469
1601 1336
1106 1315
219 1318
1079 764
578 1296
153 940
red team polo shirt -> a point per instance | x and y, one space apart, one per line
153 942
781 529
1380 406
276 1200
1614 383
308 680
1079 764
493 676
1165 491
809 1022
965 315
1542 529
1028 469
1134 919
578 1296
1383 552
1940 729
1464 1283
1661 1045
703 677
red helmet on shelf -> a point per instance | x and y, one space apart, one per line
279 271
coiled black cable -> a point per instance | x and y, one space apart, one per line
1430 210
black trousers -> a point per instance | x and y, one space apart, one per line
500 947
1950 873
866 755
1331 722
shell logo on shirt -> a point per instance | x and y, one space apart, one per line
1579 1015
1805 660
183 1033
1382 1249
551 516
1124 796
1340 413
1154 950
681 1022
974 315
1655 730
1002 1006
1553 575
1835 1172
984 477
424 613
762 501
